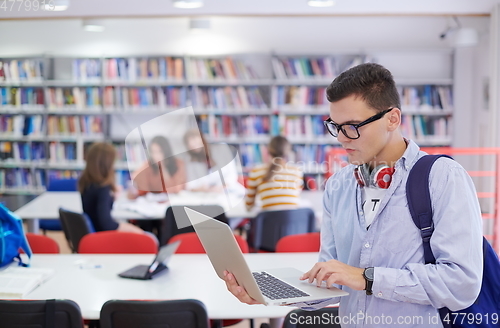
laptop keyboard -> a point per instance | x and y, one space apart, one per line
276 289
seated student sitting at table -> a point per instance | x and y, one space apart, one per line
278 183
98 190
201 164
165 173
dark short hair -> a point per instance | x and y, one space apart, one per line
371 82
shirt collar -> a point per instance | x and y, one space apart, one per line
409 156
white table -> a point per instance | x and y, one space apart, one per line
46 206
189 276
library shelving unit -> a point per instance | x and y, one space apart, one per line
52 108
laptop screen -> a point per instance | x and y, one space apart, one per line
163 255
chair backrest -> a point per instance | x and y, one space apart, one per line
304 242
322 318
44 313
62 185
75 226
118 242
269 226
58 185
153 314
191 244
176 214
41 244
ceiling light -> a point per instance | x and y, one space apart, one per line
320 3
56 5
199 24
188 3
93 25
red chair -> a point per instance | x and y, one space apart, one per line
41 244
118 242
304 242
191 244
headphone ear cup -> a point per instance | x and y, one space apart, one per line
359 176
381 176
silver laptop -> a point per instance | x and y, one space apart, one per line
271 287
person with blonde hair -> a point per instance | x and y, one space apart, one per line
98 190
278 183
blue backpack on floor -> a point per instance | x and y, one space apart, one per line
485 311
12 238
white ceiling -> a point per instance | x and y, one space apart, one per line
145 8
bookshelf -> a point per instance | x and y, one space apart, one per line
54 107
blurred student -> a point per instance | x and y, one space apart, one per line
97 188
165 173
202 165
278 183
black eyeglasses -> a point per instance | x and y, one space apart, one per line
351 130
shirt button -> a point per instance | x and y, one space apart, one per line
379 294
367 245
360 212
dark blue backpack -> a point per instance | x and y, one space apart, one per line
12 237
485 311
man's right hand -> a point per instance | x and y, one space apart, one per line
237 290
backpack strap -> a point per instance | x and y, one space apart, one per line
419 201
419 204
23 243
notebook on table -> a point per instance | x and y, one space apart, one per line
145 272
270 287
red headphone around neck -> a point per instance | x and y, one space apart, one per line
379 177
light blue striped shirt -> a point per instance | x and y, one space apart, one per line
405 291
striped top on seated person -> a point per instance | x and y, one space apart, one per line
280 191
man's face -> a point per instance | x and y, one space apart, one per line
373 136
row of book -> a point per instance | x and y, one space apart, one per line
300 68
418 98
22 125
156 97
132 69
19 178
26 70
308 157
427 97
236 127
87 69
133 153
294 127
74 125
220 69
22 151
311 68
303 127
22 97
61 152
421 127
74 98
228 98
298 96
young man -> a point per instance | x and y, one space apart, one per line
370 246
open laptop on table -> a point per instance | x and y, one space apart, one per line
270 287
145 272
